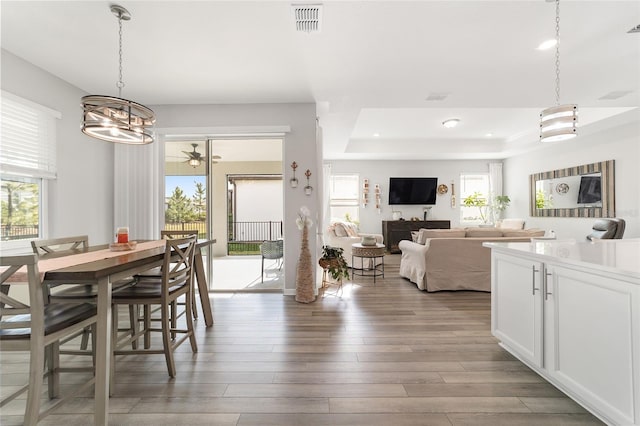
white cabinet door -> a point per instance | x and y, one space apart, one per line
589 339
516 305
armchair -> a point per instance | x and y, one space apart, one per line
344 235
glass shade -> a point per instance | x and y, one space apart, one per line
117 120
558 123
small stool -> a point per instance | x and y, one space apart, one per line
372 253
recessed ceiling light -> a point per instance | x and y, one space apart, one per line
376 135
546 45
451 123
488 135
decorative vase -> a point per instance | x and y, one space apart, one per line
368 240
304 274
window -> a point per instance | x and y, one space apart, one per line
343 197
20 208
27 159
475 188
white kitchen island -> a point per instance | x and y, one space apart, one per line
571 312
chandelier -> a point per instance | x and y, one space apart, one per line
115 119
558 123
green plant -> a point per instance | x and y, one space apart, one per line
477 200
347 218
333 261
542 201
501 202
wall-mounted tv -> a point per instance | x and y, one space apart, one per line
412 190
590 191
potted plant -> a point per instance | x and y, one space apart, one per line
334 262
500 204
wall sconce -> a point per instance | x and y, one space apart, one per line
365 192
453 195
293 181
308 189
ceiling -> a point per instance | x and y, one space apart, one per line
371 70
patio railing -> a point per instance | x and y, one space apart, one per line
18 232
246 237
242 237
201 227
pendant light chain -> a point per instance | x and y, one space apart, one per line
557 52
114 119
120 83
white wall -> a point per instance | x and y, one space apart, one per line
618 140
379 172
299 146
80 200
219 197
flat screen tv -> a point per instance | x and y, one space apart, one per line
590 191
412 190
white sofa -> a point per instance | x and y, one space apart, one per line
454 259
344 235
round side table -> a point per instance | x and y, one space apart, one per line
368 255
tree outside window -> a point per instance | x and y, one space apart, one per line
474 188
20 215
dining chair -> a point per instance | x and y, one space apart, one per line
37 327
175 281
75 293
271 250
157 272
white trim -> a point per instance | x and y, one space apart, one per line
27 102
223 131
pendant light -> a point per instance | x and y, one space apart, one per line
115 119
558 123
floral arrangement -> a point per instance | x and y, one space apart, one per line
303 218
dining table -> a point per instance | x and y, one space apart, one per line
100 266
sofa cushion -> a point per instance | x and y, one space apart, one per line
511 224
483 232
439 233
523 233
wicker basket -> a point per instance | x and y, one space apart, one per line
329 263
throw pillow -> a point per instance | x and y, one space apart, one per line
483 232
340 230
351 228
414 236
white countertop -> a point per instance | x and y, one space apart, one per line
616 256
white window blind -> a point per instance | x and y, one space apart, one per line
28 138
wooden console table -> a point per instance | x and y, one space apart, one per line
394 231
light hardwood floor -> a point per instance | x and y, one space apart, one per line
387 355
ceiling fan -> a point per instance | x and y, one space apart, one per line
195 158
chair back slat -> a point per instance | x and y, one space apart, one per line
9 306
55 245
170 235
177 268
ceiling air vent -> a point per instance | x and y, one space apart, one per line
308 17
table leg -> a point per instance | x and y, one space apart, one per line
103 353
203 288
